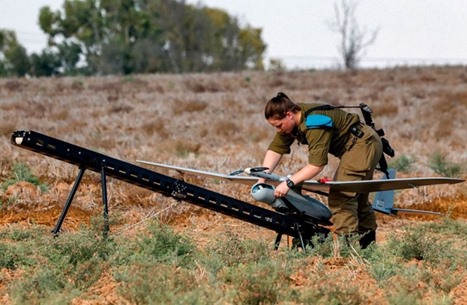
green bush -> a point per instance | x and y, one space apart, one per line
18 246
333 294
55 269
43 286
402 164
163 245
21 172
410 258
256 282
441 166
14 256
420 244
383 264
449 227
230 250
161 283
159 266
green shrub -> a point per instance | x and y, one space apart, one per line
420 245
17 247
426 243
162 267
44 286
14 256
18 234
159 244
159 266
162 283
383 264
232 251
441 166
21 172
402 164
75 249
403 296
256 282
449 227
333 294
58 269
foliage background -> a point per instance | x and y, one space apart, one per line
101 37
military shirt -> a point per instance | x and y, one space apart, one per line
320 141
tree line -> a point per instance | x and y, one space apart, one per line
100 37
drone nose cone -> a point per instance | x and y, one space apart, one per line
263 192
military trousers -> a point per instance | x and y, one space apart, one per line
352 212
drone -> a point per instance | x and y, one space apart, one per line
295 200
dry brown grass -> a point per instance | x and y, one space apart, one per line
215 122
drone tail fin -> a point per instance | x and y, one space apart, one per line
384 200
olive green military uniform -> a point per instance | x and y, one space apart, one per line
352 213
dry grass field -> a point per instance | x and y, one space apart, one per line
215 122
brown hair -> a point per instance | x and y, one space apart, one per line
278 106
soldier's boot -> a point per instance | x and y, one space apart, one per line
367 238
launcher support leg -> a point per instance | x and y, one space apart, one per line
68 201
104 201
278 241
302 243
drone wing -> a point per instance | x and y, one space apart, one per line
315 186
385 185
248 180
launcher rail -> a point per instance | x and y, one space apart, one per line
290 224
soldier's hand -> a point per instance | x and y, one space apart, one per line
281 190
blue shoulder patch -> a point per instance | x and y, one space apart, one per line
315 121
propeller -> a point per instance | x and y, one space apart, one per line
237 172
249 170
257 169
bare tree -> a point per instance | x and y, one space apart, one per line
354 39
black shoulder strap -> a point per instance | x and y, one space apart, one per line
328 107
320 107
387 149
366 112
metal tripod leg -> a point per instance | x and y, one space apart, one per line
68 201
104 201
278 241
302 243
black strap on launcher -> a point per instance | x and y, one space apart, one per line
366 112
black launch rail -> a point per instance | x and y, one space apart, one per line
290 224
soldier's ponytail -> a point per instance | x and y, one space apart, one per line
278 106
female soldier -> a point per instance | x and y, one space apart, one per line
324 131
